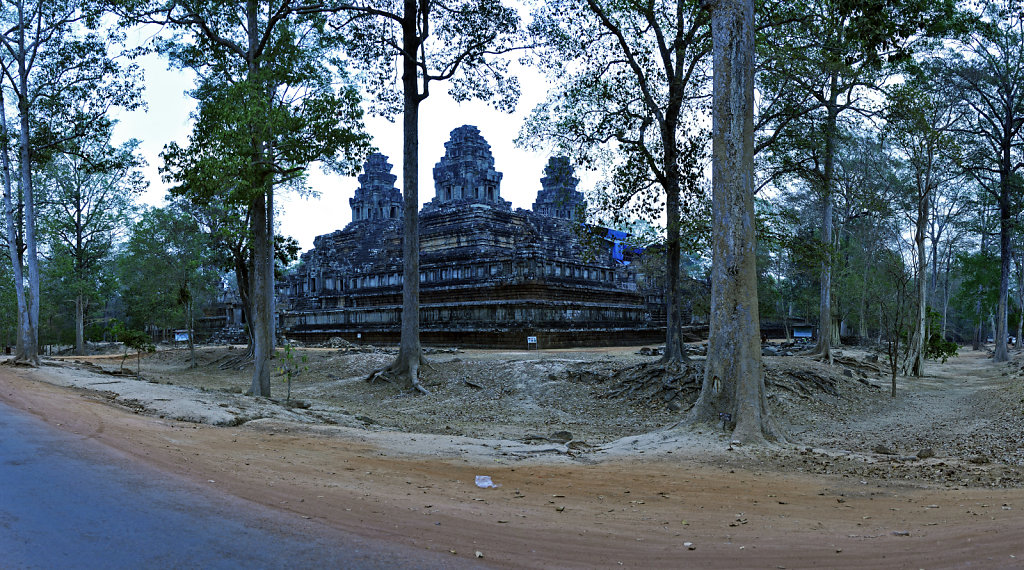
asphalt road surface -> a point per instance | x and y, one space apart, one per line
67 502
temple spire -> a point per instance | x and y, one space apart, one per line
558 197
376 198
466 171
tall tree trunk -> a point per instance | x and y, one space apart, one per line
244 284
189 308
917 349
80 324
262 224
675 351
934 288
862 313
262 324
824 346
405 369
29 325
1019 263
945 297
14 251
1005 227
733 375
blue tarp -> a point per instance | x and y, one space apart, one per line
621 252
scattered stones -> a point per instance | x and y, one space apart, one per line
883 449
338 342
560 437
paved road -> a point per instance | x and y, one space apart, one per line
67 502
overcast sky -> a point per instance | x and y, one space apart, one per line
167 119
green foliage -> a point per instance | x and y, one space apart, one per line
8 303
78 70
64 74
458 41
87 199
291 367
286 251
132 339
621 101
978 293
937 347
165 269
262 117
895 312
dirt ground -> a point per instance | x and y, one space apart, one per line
930 479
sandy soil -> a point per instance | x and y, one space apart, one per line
626 486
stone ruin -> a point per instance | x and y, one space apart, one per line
490 276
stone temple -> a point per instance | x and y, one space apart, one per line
490 276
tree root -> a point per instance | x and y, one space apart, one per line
802 384
657 384
243 360
399 374
826 358
237 362
21 363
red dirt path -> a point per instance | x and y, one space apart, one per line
637 513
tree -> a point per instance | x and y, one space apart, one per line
977 297
58 66
88 197
133 339
269 105
896 318
166 270
921 121
456 40
733 374
822 55
945 234
629 82
988 70
862 200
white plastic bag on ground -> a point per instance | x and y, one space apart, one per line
484 482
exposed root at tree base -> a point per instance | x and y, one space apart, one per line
239 362
21 363
402 373
673 384
677 386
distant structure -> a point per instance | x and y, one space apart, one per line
558 197
490 276
376 198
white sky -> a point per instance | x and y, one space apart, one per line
167 119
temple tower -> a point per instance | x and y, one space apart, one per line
558 197
466 171
376 198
